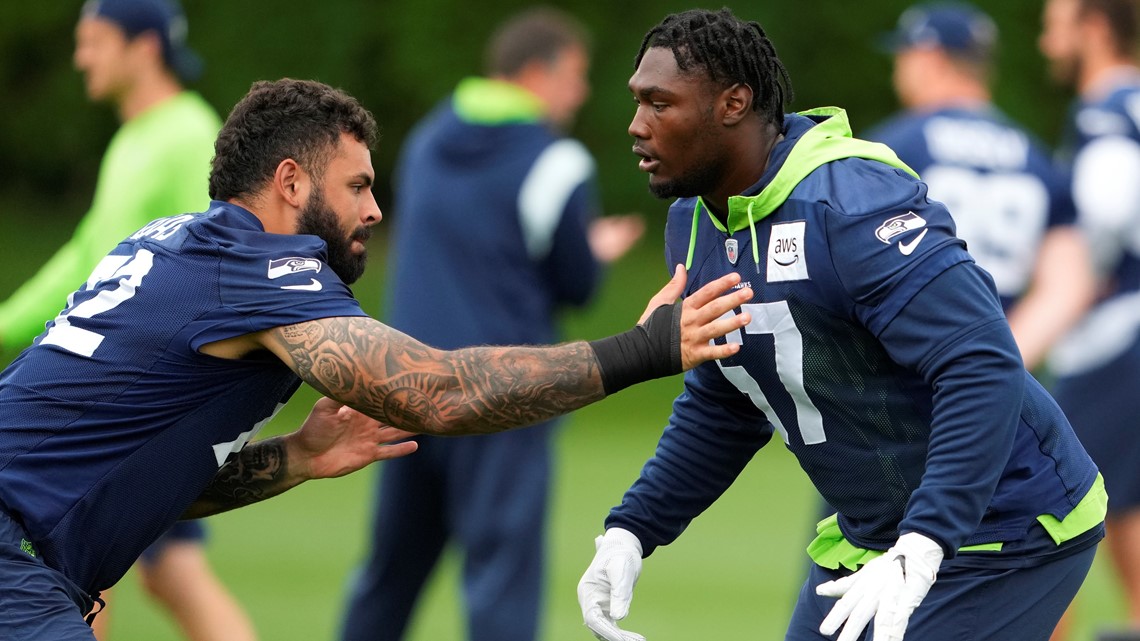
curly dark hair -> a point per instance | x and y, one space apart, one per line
287 118
729 50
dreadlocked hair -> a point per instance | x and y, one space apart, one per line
730 50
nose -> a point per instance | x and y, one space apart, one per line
372 213
79 58
637 126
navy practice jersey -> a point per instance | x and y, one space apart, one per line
1104 143
997 181
876 349
113 422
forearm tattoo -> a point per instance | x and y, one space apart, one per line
254 474
401 382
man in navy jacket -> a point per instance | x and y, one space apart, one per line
495 216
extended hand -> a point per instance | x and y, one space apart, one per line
336 440
704 316
888 589
610 237
606 589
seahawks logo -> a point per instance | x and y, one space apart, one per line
279 267
898 225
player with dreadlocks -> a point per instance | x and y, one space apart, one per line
877 349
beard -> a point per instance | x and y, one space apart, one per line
706 167
1065 71
318 219
698 182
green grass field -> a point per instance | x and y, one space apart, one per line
732 575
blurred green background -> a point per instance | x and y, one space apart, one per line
735 572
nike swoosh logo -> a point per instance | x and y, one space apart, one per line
313 286
908 248
902 559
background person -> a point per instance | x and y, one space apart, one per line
495 213
1008 201
1090 45
133 56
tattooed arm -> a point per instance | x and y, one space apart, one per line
404 383
333 441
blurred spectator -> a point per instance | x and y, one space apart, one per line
133 56
1011 206
495 229
1090 46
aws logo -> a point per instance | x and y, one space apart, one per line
787 251
786 257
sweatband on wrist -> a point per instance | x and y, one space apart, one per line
650 350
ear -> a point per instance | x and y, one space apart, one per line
150 42
292 183
737 103
534 76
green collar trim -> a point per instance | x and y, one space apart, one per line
485 101
828 140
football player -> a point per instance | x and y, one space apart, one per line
877 350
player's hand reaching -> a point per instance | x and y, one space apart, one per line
703 315
336 440
606 589
888 588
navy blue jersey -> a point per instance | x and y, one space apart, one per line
997 181
877 350
1104 145
1098 362
113 422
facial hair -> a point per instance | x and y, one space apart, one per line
318 219
698 182
1066 71
706 171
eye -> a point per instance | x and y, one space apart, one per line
657 107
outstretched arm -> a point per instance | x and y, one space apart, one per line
1063 288
333 441
402 382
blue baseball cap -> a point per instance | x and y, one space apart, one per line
164 17
959 28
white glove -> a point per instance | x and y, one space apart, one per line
605 590
888 588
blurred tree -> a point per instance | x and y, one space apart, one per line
399 58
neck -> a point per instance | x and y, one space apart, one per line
962 94
275 216
1099 60
1098 73
147 93
747 165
